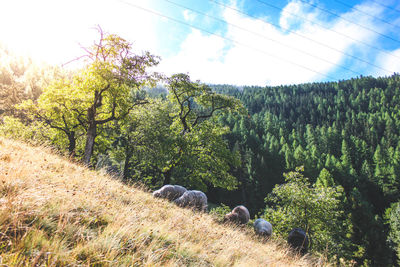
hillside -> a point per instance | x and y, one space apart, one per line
347 130
54 212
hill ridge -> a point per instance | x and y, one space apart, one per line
54 212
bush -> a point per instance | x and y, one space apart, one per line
219 212
13 128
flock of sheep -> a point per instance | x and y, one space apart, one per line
195 199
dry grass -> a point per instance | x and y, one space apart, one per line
57 213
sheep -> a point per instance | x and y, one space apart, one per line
170 192
193 198
298 240
239 215
262 228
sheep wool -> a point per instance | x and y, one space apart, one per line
263 227
170 192
239 215
194 199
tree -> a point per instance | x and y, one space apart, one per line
177 140
393 219
198 135
142 142
316 209
55 107
325 179
105 90
109 78
20 79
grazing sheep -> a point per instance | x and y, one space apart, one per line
193 198
239 215
170 192
263 228
298 240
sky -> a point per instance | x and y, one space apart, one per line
238 42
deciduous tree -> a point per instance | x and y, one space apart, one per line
317 209
198 141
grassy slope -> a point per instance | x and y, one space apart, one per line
54 212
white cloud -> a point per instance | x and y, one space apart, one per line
389 61
197 52
188 15
214 60
296 13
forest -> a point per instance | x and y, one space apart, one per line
321 156
345 133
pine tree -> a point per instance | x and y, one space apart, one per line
325 179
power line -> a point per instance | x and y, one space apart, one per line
352 22
365 13
311 39
385 6
225 38
270 39
372 30
342 34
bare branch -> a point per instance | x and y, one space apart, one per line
75 59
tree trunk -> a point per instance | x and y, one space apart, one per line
243 189
128 156
167 176
72 143
90 137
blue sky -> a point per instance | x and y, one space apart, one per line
280 42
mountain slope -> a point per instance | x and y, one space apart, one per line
54 212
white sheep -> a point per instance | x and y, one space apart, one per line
263 227
193 198
170 192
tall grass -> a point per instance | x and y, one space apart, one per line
56 213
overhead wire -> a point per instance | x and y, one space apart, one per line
311 39
270 39
225 38
365 13
342 34
385 6
350 21
263 36
366 28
